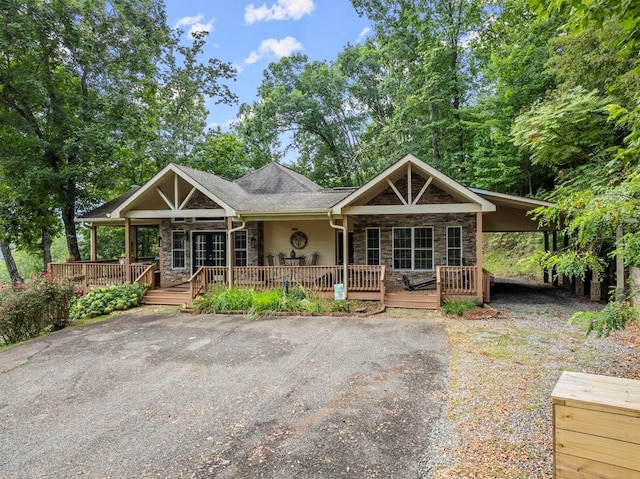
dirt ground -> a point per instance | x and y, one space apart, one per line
502 372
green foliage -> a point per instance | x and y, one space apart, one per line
615 316
259 303
458 307
570 263
507 254
105 300
27 310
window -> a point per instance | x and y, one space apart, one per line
373 245
240 248
178 249
413 248
454 245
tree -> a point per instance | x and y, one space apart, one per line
308 102
184 86
94 97
599 198
426 56
71 77
510 55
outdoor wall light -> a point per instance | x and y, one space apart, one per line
253 242
159 241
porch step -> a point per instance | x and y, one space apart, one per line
167 296
411 300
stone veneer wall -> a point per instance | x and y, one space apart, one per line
169 275
433 195
439 223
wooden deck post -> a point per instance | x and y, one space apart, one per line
127 249
479 257
229 226
345 255
94 242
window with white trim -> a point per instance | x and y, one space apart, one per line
413 248
178 249
240 248
454 245
373 246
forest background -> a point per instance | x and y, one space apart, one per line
539 98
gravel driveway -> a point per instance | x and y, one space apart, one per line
174 395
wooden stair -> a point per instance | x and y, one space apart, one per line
176 295
412 299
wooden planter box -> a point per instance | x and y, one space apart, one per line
596 422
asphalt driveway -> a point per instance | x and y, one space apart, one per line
174 395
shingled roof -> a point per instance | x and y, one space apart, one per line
274 188
275 178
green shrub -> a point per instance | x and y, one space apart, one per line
615 316
221 298
105 300
259 303
458 307
40 303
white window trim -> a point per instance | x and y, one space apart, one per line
245 249
379 248
459 228
413 249
184 250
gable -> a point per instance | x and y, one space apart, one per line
432 194
175 192
410 186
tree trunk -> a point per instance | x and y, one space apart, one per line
68 214
46 248
14 274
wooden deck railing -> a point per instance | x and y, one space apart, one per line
89 275
457 280
317 278
146 279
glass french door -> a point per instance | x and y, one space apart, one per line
209 249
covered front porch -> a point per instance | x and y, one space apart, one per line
363 282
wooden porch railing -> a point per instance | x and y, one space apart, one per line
361 278
89 275
146 279
457 280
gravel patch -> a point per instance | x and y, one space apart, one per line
498 419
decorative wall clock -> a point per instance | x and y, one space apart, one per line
298 240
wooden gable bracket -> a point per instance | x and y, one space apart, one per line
409 201
176 205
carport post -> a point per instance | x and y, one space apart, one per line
479 257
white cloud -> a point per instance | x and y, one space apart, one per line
195 24
188 20
283 10
365 31
279 48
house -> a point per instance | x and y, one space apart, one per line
410 224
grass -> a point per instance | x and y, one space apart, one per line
506 254
259 304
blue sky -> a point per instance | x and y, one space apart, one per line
250 35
